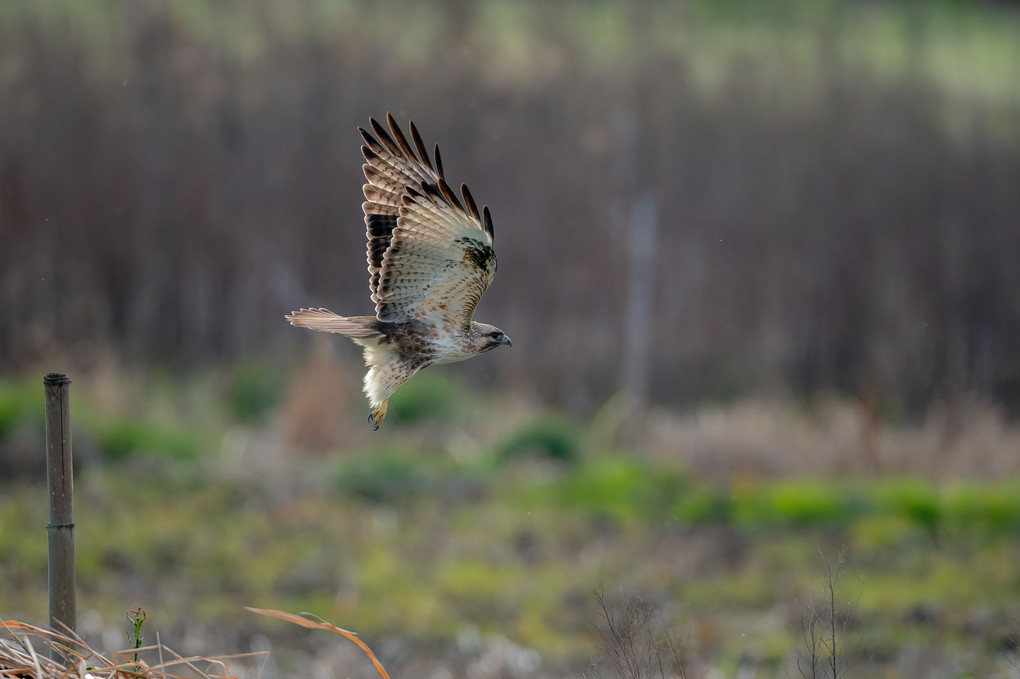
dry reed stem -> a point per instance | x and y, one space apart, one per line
322 624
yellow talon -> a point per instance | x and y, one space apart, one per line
377 415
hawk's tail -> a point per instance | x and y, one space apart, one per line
356 327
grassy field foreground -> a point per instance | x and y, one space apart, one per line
446 550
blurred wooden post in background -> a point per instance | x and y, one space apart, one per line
60 527
644 231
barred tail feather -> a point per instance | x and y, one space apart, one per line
361 329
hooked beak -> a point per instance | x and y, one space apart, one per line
506 341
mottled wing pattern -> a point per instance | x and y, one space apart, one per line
391 166
430 255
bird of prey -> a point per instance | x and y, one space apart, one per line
430 258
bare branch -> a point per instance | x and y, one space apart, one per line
634 642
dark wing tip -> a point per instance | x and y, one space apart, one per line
420 145
487 222
431 190
469 201
404 146
372 148
384 136
450 196
439 163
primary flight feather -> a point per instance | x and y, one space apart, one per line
430 259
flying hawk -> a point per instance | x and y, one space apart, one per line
430 258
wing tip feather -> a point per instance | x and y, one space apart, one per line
487 222
430 190
439 162
420 146
384 136
469 201
405 148
449 195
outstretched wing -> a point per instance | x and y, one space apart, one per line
430 256
390 167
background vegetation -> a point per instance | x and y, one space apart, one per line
835 182
825 194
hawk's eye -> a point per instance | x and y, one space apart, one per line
495 334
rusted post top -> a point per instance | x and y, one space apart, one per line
56 379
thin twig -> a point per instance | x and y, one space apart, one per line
632 644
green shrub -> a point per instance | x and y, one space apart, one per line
383 477
622 490
552 438
994 509
807 502
10 412
880 533
750 507
914 500
699 505
20 403
253 392
799 503
124 438
609 489
425 397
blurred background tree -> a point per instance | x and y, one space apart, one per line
834 185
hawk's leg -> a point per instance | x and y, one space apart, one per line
377 415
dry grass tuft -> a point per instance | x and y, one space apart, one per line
776 438
25 651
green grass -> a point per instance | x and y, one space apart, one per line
387 547
419 539
426 397
21 404
382 476
625 491
120 439
549 437
254 392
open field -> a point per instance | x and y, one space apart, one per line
812 204
445 547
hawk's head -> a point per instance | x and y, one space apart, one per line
485 337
